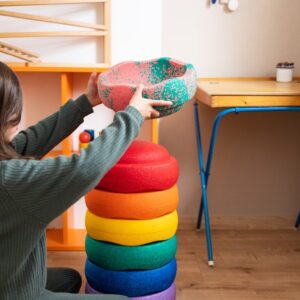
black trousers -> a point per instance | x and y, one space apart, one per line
63 280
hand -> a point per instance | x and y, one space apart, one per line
145 106
92 91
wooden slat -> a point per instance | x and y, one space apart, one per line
75 241
55 153
18 55
25 51
107 38
51 20
154 131
18 52
46 2
52 34
66 94
50 67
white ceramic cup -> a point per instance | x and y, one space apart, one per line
284 74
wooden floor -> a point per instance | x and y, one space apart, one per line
249 264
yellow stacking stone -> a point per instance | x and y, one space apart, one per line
131 232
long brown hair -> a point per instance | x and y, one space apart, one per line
11 105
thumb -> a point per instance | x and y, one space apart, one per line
93 77
139 90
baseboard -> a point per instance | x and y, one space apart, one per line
240 222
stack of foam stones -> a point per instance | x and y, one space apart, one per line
131 224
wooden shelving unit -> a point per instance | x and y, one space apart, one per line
67 238
86 29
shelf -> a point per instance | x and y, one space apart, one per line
65 68
55 153
56 240
46 2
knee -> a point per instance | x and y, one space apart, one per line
75 282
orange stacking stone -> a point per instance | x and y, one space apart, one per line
139 206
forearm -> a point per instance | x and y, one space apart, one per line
113 142
39 139
47 188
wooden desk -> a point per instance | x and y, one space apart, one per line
248 93
237 96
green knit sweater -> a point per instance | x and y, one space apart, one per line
35 192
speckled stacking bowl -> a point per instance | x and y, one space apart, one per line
163 79
131 226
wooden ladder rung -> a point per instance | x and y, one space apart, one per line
19 55
40 18
18 52
46 2
11 47
52 34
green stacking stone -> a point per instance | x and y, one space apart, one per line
118 257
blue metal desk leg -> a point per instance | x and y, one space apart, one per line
200 214
297 221
210 154
203 185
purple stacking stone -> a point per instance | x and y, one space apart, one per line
168 294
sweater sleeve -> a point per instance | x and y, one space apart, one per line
39 139
44 189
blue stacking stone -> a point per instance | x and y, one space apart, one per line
131 283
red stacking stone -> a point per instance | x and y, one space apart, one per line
145 167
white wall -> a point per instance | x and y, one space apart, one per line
248 42
136 29
256 165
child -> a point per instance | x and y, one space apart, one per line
34 192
